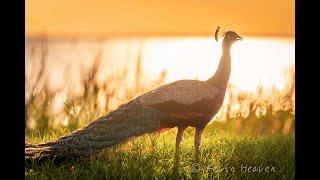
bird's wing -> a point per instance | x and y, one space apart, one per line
182 99
183 92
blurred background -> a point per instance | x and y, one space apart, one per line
84 58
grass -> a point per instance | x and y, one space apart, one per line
223 156
258 130
260 111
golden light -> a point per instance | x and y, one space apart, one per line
254 61
99 18
173 36
188 52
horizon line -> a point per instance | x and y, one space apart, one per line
144 35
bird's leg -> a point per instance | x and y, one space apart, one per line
179 139
197 142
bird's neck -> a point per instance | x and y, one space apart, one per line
221 77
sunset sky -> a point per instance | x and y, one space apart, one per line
98 18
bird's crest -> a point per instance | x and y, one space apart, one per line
218 31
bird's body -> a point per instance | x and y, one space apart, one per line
187 102
179 104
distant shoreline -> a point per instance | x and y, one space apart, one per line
143 35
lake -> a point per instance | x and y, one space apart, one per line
255 60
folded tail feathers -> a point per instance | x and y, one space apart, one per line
114 128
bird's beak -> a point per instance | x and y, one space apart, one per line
239 37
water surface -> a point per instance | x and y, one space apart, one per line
255 61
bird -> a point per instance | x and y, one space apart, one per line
180 104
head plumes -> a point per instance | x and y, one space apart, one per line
219 32
230 37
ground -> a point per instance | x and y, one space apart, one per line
224 155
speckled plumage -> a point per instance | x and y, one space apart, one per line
179 104
135 118
117 126
184 92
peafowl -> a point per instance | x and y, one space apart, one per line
179 104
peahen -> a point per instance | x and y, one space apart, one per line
179 104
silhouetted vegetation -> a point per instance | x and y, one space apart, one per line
80 110
227 142
259 112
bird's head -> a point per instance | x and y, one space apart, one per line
230 37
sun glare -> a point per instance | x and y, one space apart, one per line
255 61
